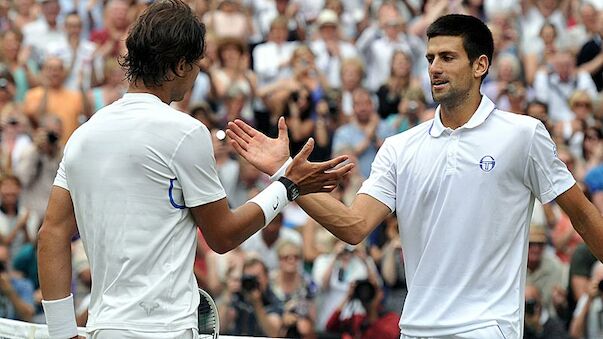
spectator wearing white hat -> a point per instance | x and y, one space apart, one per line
329 48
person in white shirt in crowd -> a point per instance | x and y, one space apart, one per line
462 186
47 29
83 66
555 85
271 58
377 45
136 179
329 49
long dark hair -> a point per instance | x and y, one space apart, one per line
163 35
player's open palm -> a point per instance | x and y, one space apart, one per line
264 153
312 177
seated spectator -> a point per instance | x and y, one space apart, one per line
399 82
264 243
16 293
109 37
392 267
333 273
544 269
587 321
361 315
18 225
411 111
38 163
257 311
295 291
555 85
364 134
53 97
538 323
112 88
329 49
229 19
17 59
233 79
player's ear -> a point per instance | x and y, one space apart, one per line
480 66
182 67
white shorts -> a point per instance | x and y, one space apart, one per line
490 332
128 334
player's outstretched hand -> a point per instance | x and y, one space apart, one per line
264 153
312 177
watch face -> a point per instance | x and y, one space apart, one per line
294 193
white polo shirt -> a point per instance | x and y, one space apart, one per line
464 199
133 170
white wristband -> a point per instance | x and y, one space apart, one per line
281 171
60 317
271 200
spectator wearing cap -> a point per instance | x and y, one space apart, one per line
329 49
544 269
47 29
53 97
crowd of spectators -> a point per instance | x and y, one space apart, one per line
347 73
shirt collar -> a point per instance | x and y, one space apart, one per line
141 97
486 106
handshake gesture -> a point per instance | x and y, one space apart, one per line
269 154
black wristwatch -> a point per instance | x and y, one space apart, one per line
292 188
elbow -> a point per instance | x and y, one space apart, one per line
221 246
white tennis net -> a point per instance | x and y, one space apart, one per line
12 329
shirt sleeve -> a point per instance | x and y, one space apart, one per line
381 183
61 179
195 168
546 175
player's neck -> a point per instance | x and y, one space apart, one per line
455 115
162 92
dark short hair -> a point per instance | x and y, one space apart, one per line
477 38
167 32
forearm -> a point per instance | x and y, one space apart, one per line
590 228
594 65
24 310
576 329
336 217
54 264
236 226
262 317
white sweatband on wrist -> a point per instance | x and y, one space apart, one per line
281 171
60 317
271 200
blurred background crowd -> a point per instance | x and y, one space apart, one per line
347 73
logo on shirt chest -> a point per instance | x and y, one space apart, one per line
487 163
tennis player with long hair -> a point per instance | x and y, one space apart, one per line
135 179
